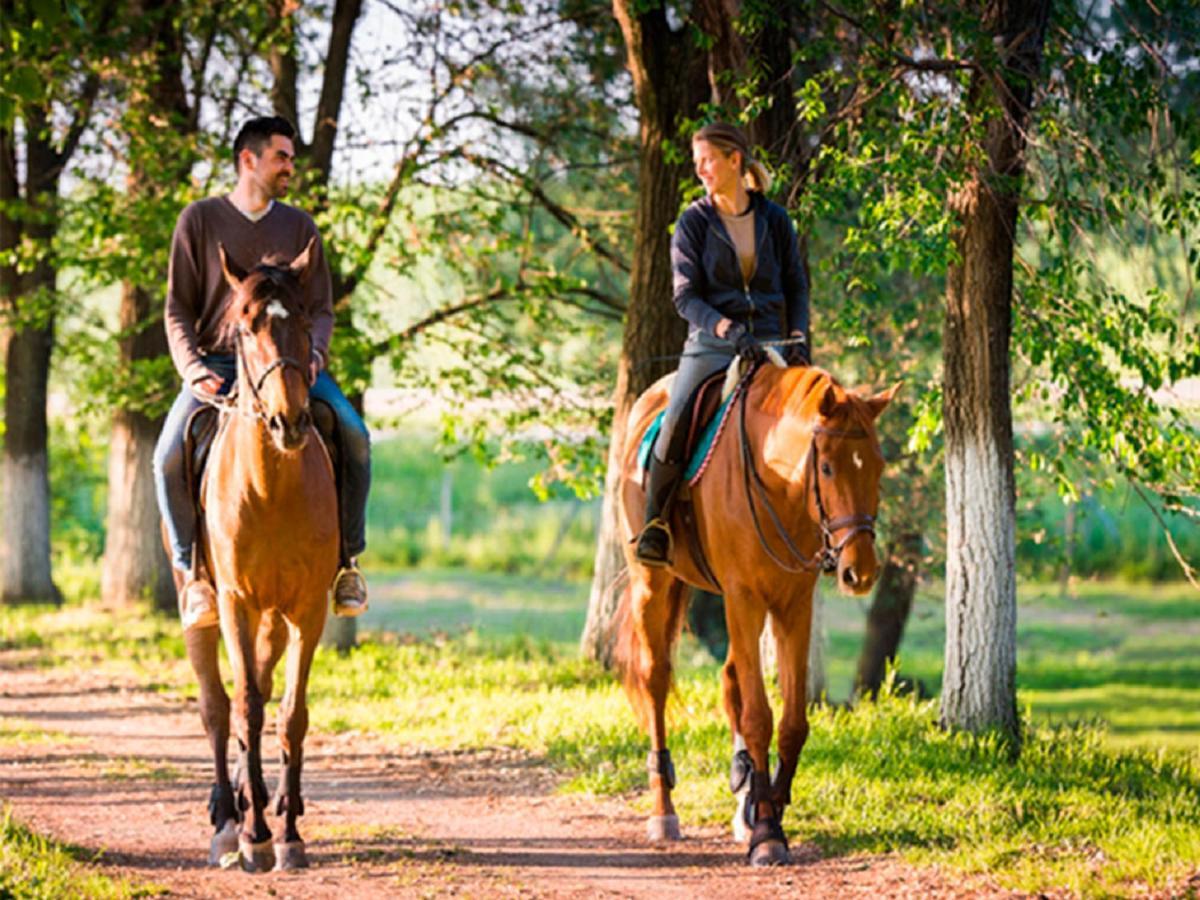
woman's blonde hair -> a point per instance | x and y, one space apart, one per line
727 138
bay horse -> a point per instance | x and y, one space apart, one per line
791 488
271 545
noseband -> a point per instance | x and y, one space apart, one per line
256 384
826 559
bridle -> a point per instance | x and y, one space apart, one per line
826 559
258 409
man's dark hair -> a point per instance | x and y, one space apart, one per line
256 134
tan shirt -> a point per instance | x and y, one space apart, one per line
196 288
741 230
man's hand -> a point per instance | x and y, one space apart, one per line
315 364
209 387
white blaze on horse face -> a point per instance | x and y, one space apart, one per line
277 310
858 464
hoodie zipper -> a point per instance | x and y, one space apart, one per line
745 282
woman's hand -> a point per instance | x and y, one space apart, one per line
722 328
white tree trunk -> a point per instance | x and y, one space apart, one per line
25 509
979 685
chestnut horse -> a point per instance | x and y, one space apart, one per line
791 488
271 525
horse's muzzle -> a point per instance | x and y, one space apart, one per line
290 435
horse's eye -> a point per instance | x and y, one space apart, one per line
826 469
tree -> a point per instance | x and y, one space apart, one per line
979 685
669 84
49 62
160 126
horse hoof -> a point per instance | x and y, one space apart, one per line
770 853
663 828
223 843
290 855
256 857
741 831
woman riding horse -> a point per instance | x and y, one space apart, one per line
739 282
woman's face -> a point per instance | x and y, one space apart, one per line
718 172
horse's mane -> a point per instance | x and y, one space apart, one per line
798 392
267 281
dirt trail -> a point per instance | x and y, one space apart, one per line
130 777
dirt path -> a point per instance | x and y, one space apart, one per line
127 773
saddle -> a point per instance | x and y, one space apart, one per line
704 422
706 419
201 431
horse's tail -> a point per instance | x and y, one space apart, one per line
634 660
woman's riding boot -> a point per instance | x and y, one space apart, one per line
654 543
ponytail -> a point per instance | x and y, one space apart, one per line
728 138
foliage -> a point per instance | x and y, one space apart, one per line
1110 166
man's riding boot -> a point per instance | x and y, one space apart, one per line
349 591
654 543
198 601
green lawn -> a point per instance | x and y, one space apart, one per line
1125 656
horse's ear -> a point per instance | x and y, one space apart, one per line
303 264
233 272
829 402
877 403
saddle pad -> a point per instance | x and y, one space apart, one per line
700 453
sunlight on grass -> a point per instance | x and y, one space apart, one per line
1104 799
34 867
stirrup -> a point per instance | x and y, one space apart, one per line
353 601
655 561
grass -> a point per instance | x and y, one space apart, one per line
33 867
1094 809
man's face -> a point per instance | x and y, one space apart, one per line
272 170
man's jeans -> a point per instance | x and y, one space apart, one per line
177 508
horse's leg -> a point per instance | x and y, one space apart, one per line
792 630
203 645
745 617
272 641
293 725
740 765
240 627
656 608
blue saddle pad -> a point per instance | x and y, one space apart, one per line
701 449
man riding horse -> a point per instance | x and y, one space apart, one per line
252 224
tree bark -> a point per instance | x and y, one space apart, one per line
979 686
890 609
29 299
669 82
135 564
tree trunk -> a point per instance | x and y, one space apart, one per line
135 565
669 82
979 687
890 609
25 575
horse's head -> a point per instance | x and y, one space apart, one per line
267 322
846 464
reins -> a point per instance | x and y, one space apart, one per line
258 408
826 558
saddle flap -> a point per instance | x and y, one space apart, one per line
707 415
